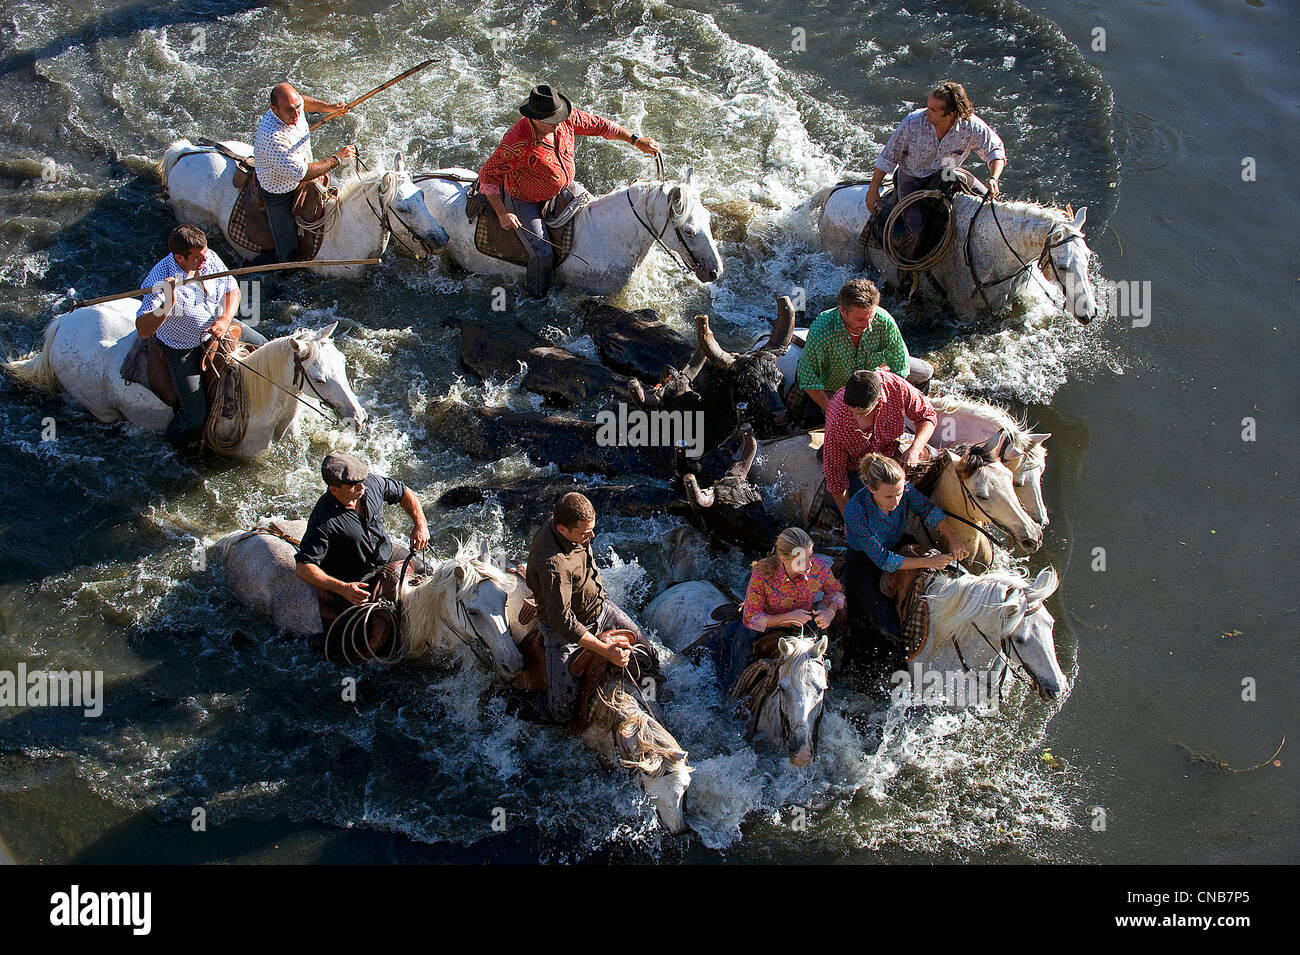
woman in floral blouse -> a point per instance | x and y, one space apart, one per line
783 591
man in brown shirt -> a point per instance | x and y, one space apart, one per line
572 609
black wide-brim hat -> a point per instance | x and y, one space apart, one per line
546 105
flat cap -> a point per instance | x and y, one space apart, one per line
339 467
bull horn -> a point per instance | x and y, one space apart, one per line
783 327
696 363
749 449
646 399
695 494
709 345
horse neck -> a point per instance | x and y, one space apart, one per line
962 605
359 201
948 494
267 382
1026 226
610 220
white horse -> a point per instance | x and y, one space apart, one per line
785 695
623 729
83 353
613 234
457 612
199 182
1050 241
982 628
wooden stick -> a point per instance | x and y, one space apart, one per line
217 275
361 99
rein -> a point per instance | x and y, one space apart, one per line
300 377
382 214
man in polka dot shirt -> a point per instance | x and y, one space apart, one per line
282 155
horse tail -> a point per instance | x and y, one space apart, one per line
35 370
818 201
164 166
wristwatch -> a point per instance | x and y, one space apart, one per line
636 138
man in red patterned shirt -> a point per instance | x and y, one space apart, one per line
867 415
534 163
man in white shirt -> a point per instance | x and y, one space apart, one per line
283 158
184 318
926 150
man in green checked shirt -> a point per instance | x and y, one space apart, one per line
858 335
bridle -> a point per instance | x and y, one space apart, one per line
690 264
468 635
385 213
303 380
1068 235
1007 643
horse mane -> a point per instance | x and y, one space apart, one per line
965 599
268 362
926 477
1015 425
655 747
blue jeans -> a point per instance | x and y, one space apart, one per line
561 697
279 212
541 255
914 215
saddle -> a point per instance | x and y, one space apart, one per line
907 588
249 226
504 244
222 378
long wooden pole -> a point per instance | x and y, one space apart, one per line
217 275
361 99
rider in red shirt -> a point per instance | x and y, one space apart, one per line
534 163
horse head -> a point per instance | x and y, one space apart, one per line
800 695
989 492
405 213
320 371
686 228
654 756
1026 457
1065 261
1028 626
463 603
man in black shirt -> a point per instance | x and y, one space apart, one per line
345 548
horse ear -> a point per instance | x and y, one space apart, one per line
1080 216
822 644
690 174
484 554
325 333
786 646
398 165
300 347
1037 438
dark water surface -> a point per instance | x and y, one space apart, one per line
208 707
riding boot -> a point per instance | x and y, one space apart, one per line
540 274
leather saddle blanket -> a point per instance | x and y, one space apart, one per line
145 365
907 588
249 226
503 244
